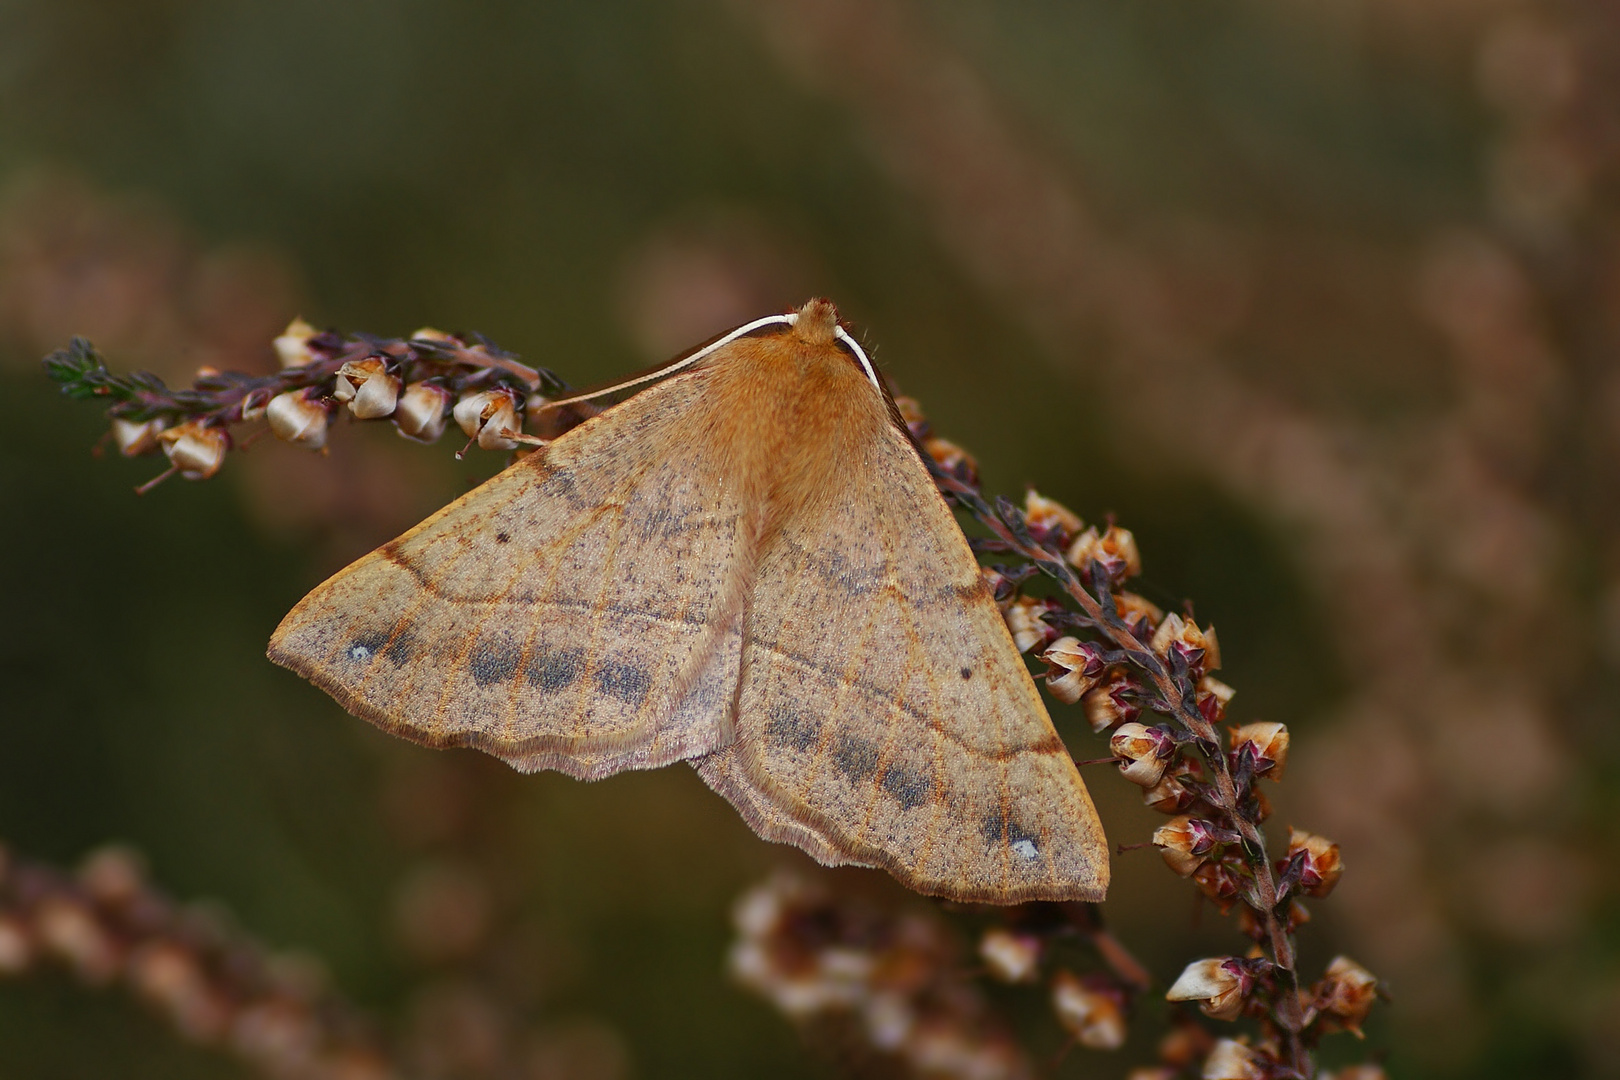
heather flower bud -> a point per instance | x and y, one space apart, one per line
1220 882
1141 616
1024 620
487 416
1171 795
1364 1071
422 411
1347 993
1185 842
1050 522
1112 702
1115 549
1075 668
1319 865
950 457
67 928
428 333
136 438
298 417
1093 1014
1217 984
367 388
196 450
1153 1072
1144 752
1012 958
1199 648
1231 1060
1213 697
1266 745
292 347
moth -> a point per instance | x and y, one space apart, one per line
745 566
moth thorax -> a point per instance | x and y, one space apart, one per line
818 322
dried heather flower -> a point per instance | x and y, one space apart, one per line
488 415
69 930
1266 744
1319 863
1024 620
1198 648
1213 697
298 417
1356 1072
1221 882
1141 616
1346 993
1153 1072
1218 985
1050 522
1187 842
950 457
195 449
1231 1060
1011 957
1075 667
367 387
1171 795
1093 1013
292 347
422 411
136 438
1144 752
1112 702
1115 549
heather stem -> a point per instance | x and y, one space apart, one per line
1287 1011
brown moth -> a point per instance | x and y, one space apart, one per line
745 566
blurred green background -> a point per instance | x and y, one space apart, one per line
1316 298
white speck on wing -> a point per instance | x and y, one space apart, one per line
1025 849
359 652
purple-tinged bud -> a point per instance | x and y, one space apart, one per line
1346 993
1115 549
1199 648
367 387
1011 957
1112 701
292 347
1221 882
490 416
422 411
1144 752
1218 985
135 438
1090 1010
298 417
1213 697
1320 865
195 449
1050 522
1141 616
1266 746
1174 794
1075 667
1185 842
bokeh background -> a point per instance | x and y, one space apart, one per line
1320 299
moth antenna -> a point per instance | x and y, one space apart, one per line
683 362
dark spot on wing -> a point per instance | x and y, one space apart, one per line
401 649
999 828
492 662
622 680
855 757
503 538
363 647
907 786
967 673
788 726
557 670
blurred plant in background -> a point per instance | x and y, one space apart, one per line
1320 300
